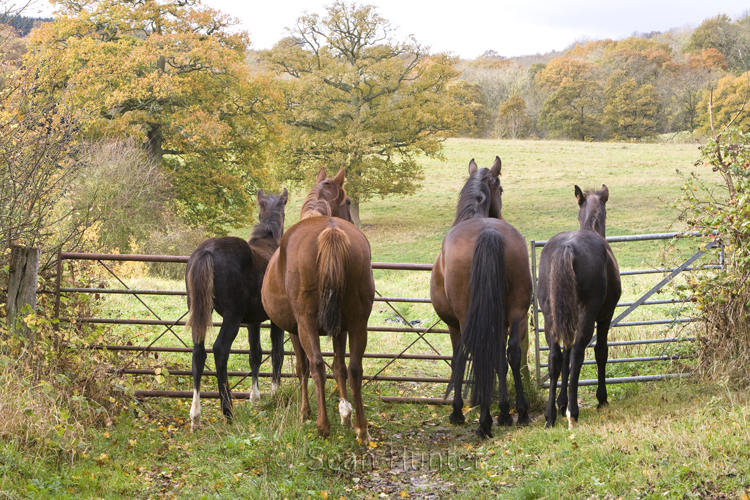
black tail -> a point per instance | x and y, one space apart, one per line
481 335
563 296
200 289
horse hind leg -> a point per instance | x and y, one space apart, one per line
562 398
199 362
303 374
223 344
601 352
503 418
555 364
514 356
357 345
457 416
256 357
277 356
577 355
339 373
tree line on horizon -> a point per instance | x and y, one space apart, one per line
159 123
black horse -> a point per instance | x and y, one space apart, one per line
226 274
579 284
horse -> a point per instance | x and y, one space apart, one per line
226 274
481 288
319 282
579 284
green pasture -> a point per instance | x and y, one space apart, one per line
670 439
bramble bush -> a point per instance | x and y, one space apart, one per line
723 298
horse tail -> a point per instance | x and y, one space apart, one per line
563 296
333 256
482 333
200 289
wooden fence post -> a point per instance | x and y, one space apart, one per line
24 269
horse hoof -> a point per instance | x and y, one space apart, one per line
602 404
457 418
483 434
274 388
363 437
572 422
195 424
505 421
523 420
254 395
549 425
345 411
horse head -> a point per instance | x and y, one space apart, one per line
592 210
328 197
271 212
481 195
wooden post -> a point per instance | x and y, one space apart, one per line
24 269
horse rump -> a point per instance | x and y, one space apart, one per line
333 256
481 335
563 296
200 289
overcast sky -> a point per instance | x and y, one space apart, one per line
468 28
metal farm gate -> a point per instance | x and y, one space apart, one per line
169 326
630 307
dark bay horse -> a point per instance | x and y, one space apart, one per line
319 282
226 274
579 284
481 288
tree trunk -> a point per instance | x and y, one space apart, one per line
24 268
354 211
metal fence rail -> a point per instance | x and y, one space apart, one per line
406 328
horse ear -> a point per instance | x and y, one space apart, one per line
604 194
496 167
472 166
579 196
284 196
321 175
261 194
339 179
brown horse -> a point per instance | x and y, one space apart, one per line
319 282
579 284
481 287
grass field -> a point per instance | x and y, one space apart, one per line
672 439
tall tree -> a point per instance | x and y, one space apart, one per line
730 38
171 74
574 106
630 109
356 97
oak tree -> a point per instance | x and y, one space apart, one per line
356 97
171 74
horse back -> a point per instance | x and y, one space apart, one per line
293 278
590 267
456 260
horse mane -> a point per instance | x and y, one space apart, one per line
270 228
596 211
474 200
314 205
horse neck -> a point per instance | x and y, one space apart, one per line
267 235
314 206
596 222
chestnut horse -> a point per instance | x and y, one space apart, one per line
579 284
481 287
226 274
319 282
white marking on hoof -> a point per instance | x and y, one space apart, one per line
345 410
255 393
274 387
195 411
572 423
